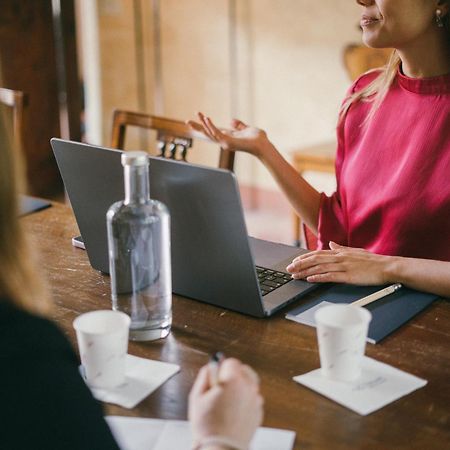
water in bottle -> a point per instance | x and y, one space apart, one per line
139 254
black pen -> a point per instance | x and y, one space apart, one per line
214 365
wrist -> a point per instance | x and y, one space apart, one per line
392 269
266 152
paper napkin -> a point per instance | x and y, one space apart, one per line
379 385
142 377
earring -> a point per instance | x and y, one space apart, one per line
439 20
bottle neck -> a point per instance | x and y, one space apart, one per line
137 188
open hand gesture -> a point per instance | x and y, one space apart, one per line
239 137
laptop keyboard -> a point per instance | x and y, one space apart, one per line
269 280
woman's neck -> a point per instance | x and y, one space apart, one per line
419 61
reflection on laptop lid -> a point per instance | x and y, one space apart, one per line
213 259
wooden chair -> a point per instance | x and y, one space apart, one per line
320 158
174 137
359 59
16 100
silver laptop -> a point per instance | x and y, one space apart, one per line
213 259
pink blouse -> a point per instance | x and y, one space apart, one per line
393 176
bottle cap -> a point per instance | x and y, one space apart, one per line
134 159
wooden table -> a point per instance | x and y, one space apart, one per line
277 348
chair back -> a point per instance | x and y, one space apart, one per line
16 100
174 137
358 59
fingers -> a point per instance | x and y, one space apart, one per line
229 369
232 368
250 374
318 269
238 124
337 254
313 259
314 254
335 246
202 126
195 126
216 135
225 138
205 126
329 277
201 383
213 130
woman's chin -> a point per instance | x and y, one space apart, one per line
374 41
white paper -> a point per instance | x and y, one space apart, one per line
155 434
379 385
142 377
307 317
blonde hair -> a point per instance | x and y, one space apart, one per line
376 90
19 281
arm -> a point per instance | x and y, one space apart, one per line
302 196
422 274
357 266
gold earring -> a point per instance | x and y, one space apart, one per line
439 21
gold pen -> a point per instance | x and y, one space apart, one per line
377 295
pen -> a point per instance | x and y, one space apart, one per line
377 295
214 365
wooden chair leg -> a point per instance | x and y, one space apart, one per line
296 225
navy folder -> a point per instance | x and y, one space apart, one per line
388 313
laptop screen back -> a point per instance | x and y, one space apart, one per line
211 257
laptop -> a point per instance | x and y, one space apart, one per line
213 259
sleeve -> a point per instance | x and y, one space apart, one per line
333 222
46 404
332 218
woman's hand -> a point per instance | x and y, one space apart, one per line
239 137
232 408
341 265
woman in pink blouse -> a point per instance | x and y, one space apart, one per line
389 219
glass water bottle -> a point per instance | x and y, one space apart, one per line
139 254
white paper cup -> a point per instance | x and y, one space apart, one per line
103 342
341 333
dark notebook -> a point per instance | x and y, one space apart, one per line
388 313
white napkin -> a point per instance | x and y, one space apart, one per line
142 377
379 385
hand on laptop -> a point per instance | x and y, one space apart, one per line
342 265
230 410
239 137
